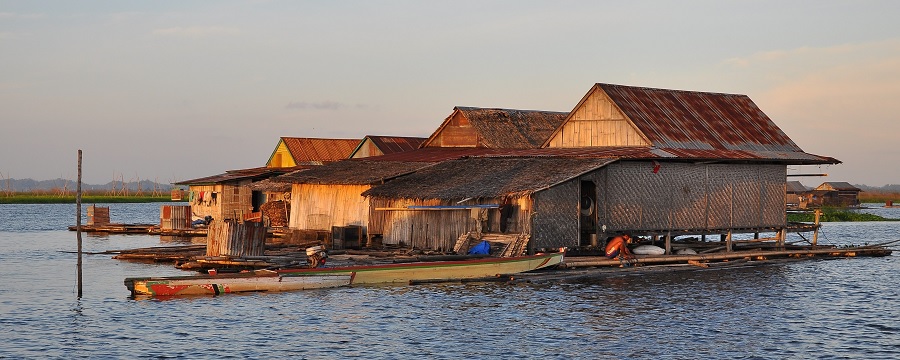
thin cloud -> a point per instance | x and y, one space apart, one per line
10 15
765 57
322 105
196 31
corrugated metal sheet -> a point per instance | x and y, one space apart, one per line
313 150
241 174
395 144
699 120
650 153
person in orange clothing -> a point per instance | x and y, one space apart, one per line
618 248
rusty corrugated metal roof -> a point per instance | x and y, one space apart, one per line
317 150
650 153
679 119
433 154
395 144
241 174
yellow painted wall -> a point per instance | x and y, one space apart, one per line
281 157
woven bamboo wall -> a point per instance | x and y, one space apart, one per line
236 200
319 207
555 220
688 196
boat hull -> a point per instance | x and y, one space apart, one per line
317 278
233 283
437 270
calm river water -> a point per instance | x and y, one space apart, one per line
812 309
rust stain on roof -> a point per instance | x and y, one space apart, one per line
699 120
316 150
395 144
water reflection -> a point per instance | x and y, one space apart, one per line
836 308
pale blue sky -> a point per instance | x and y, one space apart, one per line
174 90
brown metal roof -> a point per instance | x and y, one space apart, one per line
649 153
241 174
433 154
352 172
679 119
316 151
394 144
485 177
795 187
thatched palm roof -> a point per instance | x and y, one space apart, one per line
485 177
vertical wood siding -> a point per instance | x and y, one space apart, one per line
597 122
319 207
439 229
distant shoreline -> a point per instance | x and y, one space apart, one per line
85 199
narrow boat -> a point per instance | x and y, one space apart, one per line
325 277
435 270
259 280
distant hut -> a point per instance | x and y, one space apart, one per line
836 193
797 196
382 145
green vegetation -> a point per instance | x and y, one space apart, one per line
832 215
19 198
879 197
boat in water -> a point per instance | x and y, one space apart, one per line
330 277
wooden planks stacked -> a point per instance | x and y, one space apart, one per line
232 238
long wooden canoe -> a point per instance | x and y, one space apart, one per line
299 279
260 280
436 270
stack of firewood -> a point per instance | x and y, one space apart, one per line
278 212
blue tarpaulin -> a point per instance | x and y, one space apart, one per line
483 248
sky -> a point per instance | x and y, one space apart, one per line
177 90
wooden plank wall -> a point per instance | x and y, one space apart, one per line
457 133
597 122
319 207
367 149
439 229
201 209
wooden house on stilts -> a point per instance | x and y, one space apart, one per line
626 159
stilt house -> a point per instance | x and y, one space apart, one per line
660 163
836 193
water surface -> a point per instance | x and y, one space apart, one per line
842 308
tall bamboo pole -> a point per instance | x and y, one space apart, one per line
78 222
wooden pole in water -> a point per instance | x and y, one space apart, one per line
78 222
816 231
